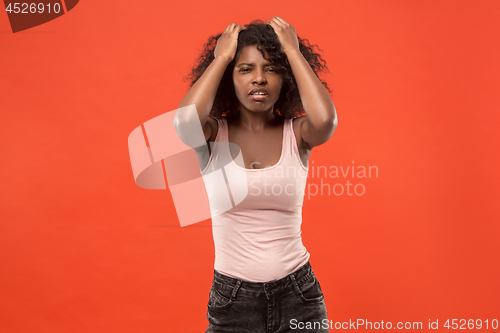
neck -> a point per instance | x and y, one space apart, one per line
256 120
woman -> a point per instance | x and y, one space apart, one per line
249 87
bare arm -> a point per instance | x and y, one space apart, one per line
321 116
202 93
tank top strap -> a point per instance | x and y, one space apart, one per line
224 148
215 146
288 140
288 132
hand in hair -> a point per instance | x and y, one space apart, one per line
228 42
286 34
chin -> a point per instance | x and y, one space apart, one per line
258 107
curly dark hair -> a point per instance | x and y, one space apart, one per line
264 38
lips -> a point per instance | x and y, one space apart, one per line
258 94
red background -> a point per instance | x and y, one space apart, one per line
416 87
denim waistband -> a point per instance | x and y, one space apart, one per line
264 289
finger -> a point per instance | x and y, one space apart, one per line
272 23
281 20
238 29
271 20
277 22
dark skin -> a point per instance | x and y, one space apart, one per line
262 150
257 126
258 130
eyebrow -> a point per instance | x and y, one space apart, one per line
248 64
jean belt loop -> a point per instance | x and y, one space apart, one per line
295 284
235 290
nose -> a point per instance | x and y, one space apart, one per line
259 76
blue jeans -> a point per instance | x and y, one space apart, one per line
294 303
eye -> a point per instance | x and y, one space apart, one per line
272 70
244 70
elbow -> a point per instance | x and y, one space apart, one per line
330 119
332 126
188 126
335 123
181 127
186 117
328 128
326 125
181 117
331 123
179 123
333 120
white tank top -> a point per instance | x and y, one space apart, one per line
256 213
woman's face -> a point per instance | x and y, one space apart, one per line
256 82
